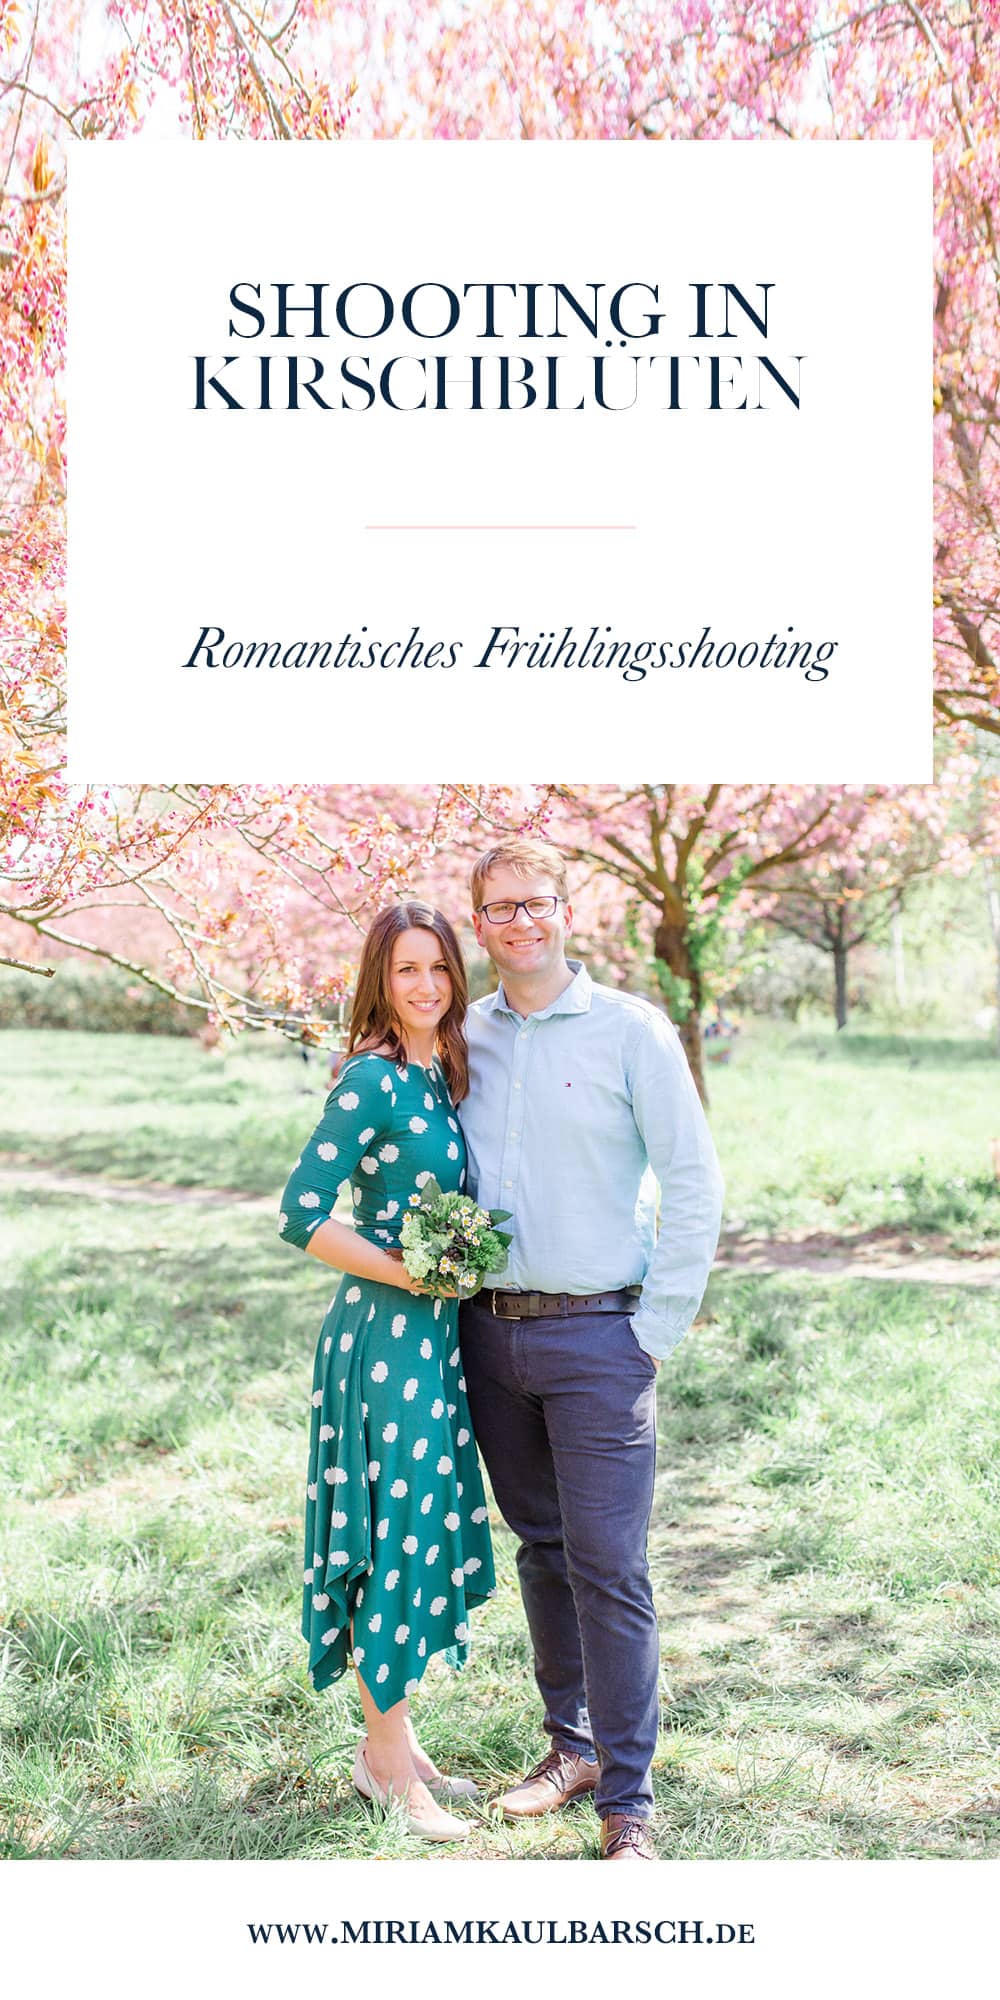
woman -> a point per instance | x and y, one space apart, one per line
397 1541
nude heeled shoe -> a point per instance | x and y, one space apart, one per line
368 1785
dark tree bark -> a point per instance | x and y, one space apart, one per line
671 943
840 951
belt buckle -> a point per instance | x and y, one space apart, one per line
509 1316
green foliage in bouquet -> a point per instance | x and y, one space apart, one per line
450 1244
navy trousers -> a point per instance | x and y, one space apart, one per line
565 1416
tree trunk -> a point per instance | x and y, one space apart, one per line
840 983
672 948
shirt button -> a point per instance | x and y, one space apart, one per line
517 1086
513 1132
508 1183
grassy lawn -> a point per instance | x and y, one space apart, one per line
826 1537
816 1131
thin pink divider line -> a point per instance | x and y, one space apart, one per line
500 527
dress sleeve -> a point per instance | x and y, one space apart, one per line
357 1113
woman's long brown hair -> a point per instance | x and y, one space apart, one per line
373 1024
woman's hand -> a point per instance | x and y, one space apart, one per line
412 1285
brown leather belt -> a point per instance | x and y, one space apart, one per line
557 1305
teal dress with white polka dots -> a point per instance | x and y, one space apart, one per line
397 1536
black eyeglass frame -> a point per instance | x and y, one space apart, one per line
501 903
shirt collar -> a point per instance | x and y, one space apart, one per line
574 999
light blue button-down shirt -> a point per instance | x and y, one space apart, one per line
571 1113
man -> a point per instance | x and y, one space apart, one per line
577 1091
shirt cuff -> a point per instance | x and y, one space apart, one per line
659 1333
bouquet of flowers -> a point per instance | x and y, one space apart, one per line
450 1243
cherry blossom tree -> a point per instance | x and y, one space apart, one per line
690 861
245 894
849 895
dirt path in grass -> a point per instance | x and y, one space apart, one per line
884 1254
40 1180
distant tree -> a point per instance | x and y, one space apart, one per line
849 894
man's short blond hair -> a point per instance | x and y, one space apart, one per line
526 858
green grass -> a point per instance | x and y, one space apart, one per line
826 1536
816 1131
843 1133
825 1555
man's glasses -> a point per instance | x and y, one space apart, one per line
533 906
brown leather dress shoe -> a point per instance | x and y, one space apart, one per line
560 1777
624 1839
